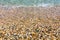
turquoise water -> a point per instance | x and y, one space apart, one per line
29 2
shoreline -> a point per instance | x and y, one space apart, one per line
16 6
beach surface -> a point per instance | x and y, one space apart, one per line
30 23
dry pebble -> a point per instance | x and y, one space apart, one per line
38 25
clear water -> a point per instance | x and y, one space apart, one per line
29 2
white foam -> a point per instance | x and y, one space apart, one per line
16 6
45 5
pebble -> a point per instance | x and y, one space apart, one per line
30 29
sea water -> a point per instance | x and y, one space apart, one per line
30 2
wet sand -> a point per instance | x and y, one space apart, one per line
30 23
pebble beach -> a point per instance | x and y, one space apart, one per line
30 23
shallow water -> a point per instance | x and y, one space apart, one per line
29 2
